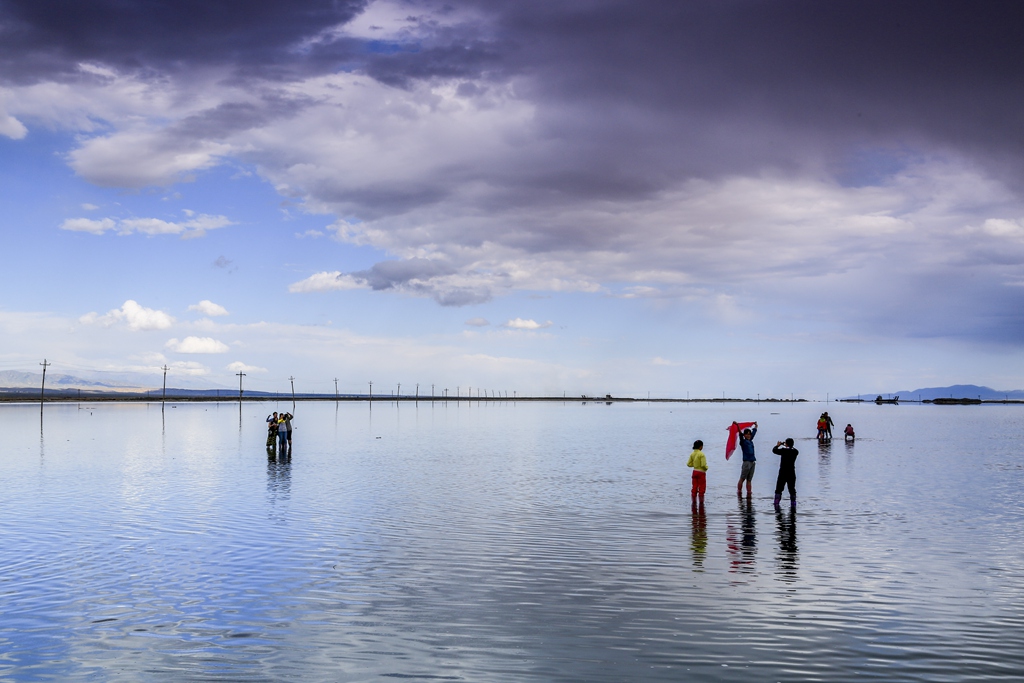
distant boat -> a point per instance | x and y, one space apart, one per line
894 400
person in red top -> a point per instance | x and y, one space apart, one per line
822 428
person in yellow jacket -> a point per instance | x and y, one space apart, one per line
699 463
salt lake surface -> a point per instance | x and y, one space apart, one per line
507 542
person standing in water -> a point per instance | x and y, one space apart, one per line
699 463
271 430
787 471
829 424
749 461
282 434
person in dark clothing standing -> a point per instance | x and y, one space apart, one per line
271 431
787 470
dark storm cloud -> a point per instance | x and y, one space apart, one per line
53 35
786 80
388 274
420 276
644 88
601 106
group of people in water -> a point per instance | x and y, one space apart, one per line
784 449
279 432
825 425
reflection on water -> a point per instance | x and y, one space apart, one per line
785 534
279 482
489 542
741 538
824 463
698 536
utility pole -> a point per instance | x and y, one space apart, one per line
42 387
456 392
371 391
335 389
240 376
417 391
399 394
292 380
163 397
431 392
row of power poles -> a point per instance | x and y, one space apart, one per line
240 375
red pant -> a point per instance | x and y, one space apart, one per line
700 483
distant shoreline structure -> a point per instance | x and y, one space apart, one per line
30 397
26 396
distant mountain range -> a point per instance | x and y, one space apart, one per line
954 391
106 382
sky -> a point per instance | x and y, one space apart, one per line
730 197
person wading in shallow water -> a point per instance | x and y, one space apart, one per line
272 430
699 463
787 471
288 423
749 461
282 434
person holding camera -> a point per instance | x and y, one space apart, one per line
787 470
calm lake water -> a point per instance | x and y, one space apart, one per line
507 542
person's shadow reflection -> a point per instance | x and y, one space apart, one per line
785 532
748 544
741 541
698 536
824 463
279 481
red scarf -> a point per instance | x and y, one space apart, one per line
734 431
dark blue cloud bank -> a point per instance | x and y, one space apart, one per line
763 154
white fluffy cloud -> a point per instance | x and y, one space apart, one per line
95 227
102 159
326 282
133 315
239 366
1001 227
523 324
208 308
189 368
12 127
193 226
197 345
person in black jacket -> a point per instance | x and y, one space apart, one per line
787 470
